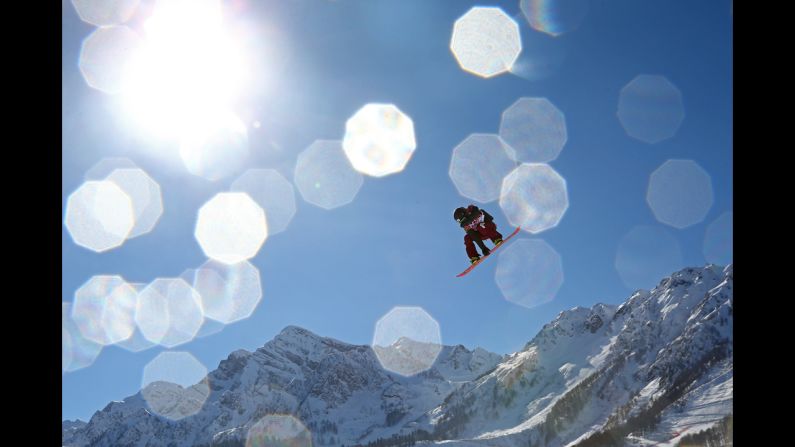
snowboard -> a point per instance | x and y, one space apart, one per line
482 258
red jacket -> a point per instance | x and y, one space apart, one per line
474 217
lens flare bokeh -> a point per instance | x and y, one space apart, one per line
535 129
478 165
99 215
78 352
231 227
66 349
91 302
325 177
680 193
554 17
379 140
136 342
229 293
147 201
105 56
105 12
534 197
175 385
486 41
215 147
169 312
407 340
278 430
210 326
650 108
274 193
529 272
103 168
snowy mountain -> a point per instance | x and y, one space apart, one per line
68 428
340 391
652 371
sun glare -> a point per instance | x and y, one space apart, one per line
188 67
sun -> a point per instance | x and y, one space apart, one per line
187 70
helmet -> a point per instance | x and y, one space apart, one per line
459 213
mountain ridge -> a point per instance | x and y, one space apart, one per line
642 371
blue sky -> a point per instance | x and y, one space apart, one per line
337 272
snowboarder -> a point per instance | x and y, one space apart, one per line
478 224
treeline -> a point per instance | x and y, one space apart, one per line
648 418
568 407
399 440
719 435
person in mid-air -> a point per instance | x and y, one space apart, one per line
478 225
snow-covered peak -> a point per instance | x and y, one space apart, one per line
239 354
294 332
569 325
458 363
410 343
294 336
71 426
303 341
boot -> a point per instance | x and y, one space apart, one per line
474 259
